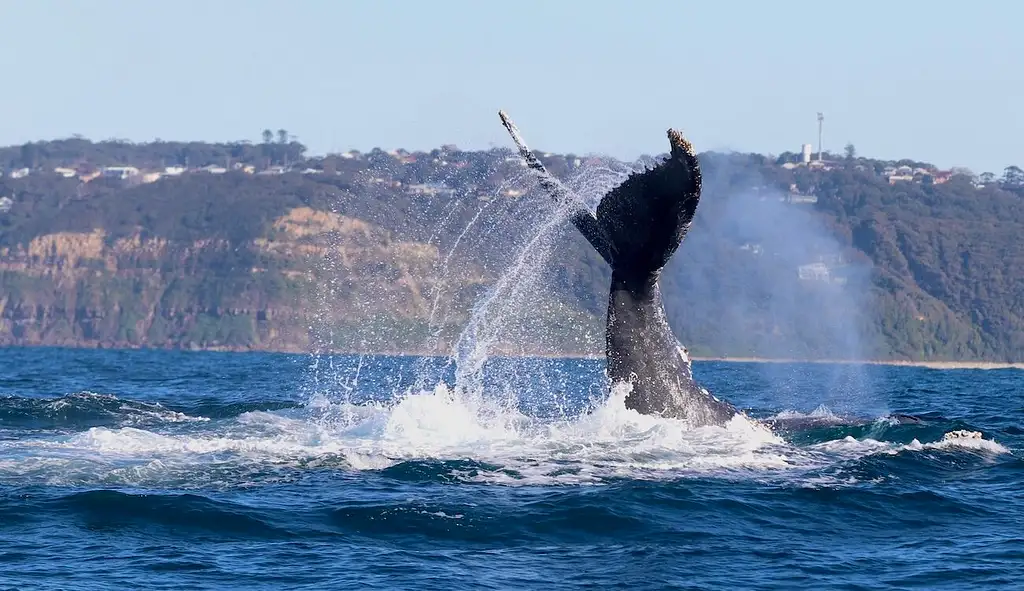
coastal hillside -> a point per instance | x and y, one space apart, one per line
258 247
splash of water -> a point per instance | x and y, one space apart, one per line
477 441
515 293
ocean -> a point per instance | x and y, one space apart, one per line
201 470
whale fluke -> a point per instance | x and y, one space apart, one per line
637 228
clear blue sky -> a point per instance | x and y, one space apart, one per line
936 81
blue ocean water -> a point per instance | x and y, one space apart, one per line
185 470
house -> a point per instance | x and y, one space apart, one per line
6 203
822 164
65 172
151 177
813 272
432 189
174 170
213 169
19 173
242 167
119 172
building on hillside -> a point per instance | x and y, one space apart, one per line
432 189
119 172
753 248
6 203
65 172
814 272
19 173
823 165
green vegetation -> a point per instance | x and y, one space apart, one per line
389 252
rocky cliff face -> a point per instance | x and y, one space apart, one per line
316 279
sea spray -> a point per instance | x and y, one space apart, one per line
522 286
760 276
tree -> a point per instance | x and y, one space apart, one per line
29 155
961 171
987 178
1013 175
268 136
851 151
282 136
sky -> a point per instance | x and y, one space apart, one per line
937 81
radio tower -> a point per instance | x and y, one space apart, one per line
821 119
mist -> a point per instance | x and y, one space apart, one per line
760 276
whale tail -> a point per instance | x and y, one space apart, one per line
640 223
638 227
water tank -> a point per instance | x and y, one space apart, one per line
805 151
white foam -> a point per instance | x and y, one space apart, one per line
969 440
509 447
848 447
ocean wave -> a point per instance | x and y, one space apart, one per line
106 510
443 436
82 410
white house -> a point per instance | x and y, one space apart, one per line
120 172
432 189
814 272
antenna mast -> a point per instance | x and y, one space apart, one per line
821 119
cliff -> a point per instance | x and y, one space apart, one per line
386 252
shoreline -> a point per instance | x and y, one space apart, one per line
931 364
893 362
